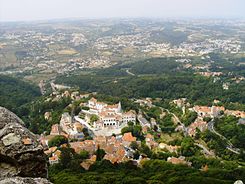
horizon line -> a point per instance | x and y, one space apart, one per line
124 17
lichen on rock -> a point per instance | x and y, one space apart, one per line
20 152
19 180
11 138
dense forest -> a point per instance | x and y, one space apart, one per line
229 127
169 35
15 93
160 77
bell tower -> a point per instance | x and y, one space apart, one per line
119 108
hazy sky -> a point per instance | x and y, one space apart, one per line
15 10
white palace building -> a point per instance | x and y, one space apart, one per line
111 116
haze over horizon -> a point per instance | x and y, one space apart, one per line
29 10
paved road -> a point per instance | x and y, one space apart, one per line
130 73
229 144
205 150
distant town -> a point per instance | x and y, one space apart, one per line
44 50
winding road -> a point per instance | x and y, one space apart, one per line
229 144
178 121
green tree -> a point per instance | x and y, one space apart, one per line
66 157
100 153
57 141
188 147
134 145
189 118
85 132
84 154
94 118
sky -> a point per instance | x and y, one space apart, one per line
28 10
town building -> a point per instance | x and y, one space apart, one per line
110 116
73 129
205 111
56 130
236 113
198 124
241 121
170 148
180 160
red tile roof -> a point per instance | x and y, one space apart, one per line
128 137
205 109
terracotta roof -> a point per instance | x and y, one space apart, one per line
120 152
100 139
57 153
205 109
220 108
201 125
53 158
106 112
114 106
119 118
88 162
109 149
198 124
82 104
131 112
93 158
235 113
112 139
175 160
117 144
77 146
50 150
89 142
101 103
128 137
111 157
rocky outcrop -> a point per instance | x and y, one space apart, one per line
19 180
20 152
